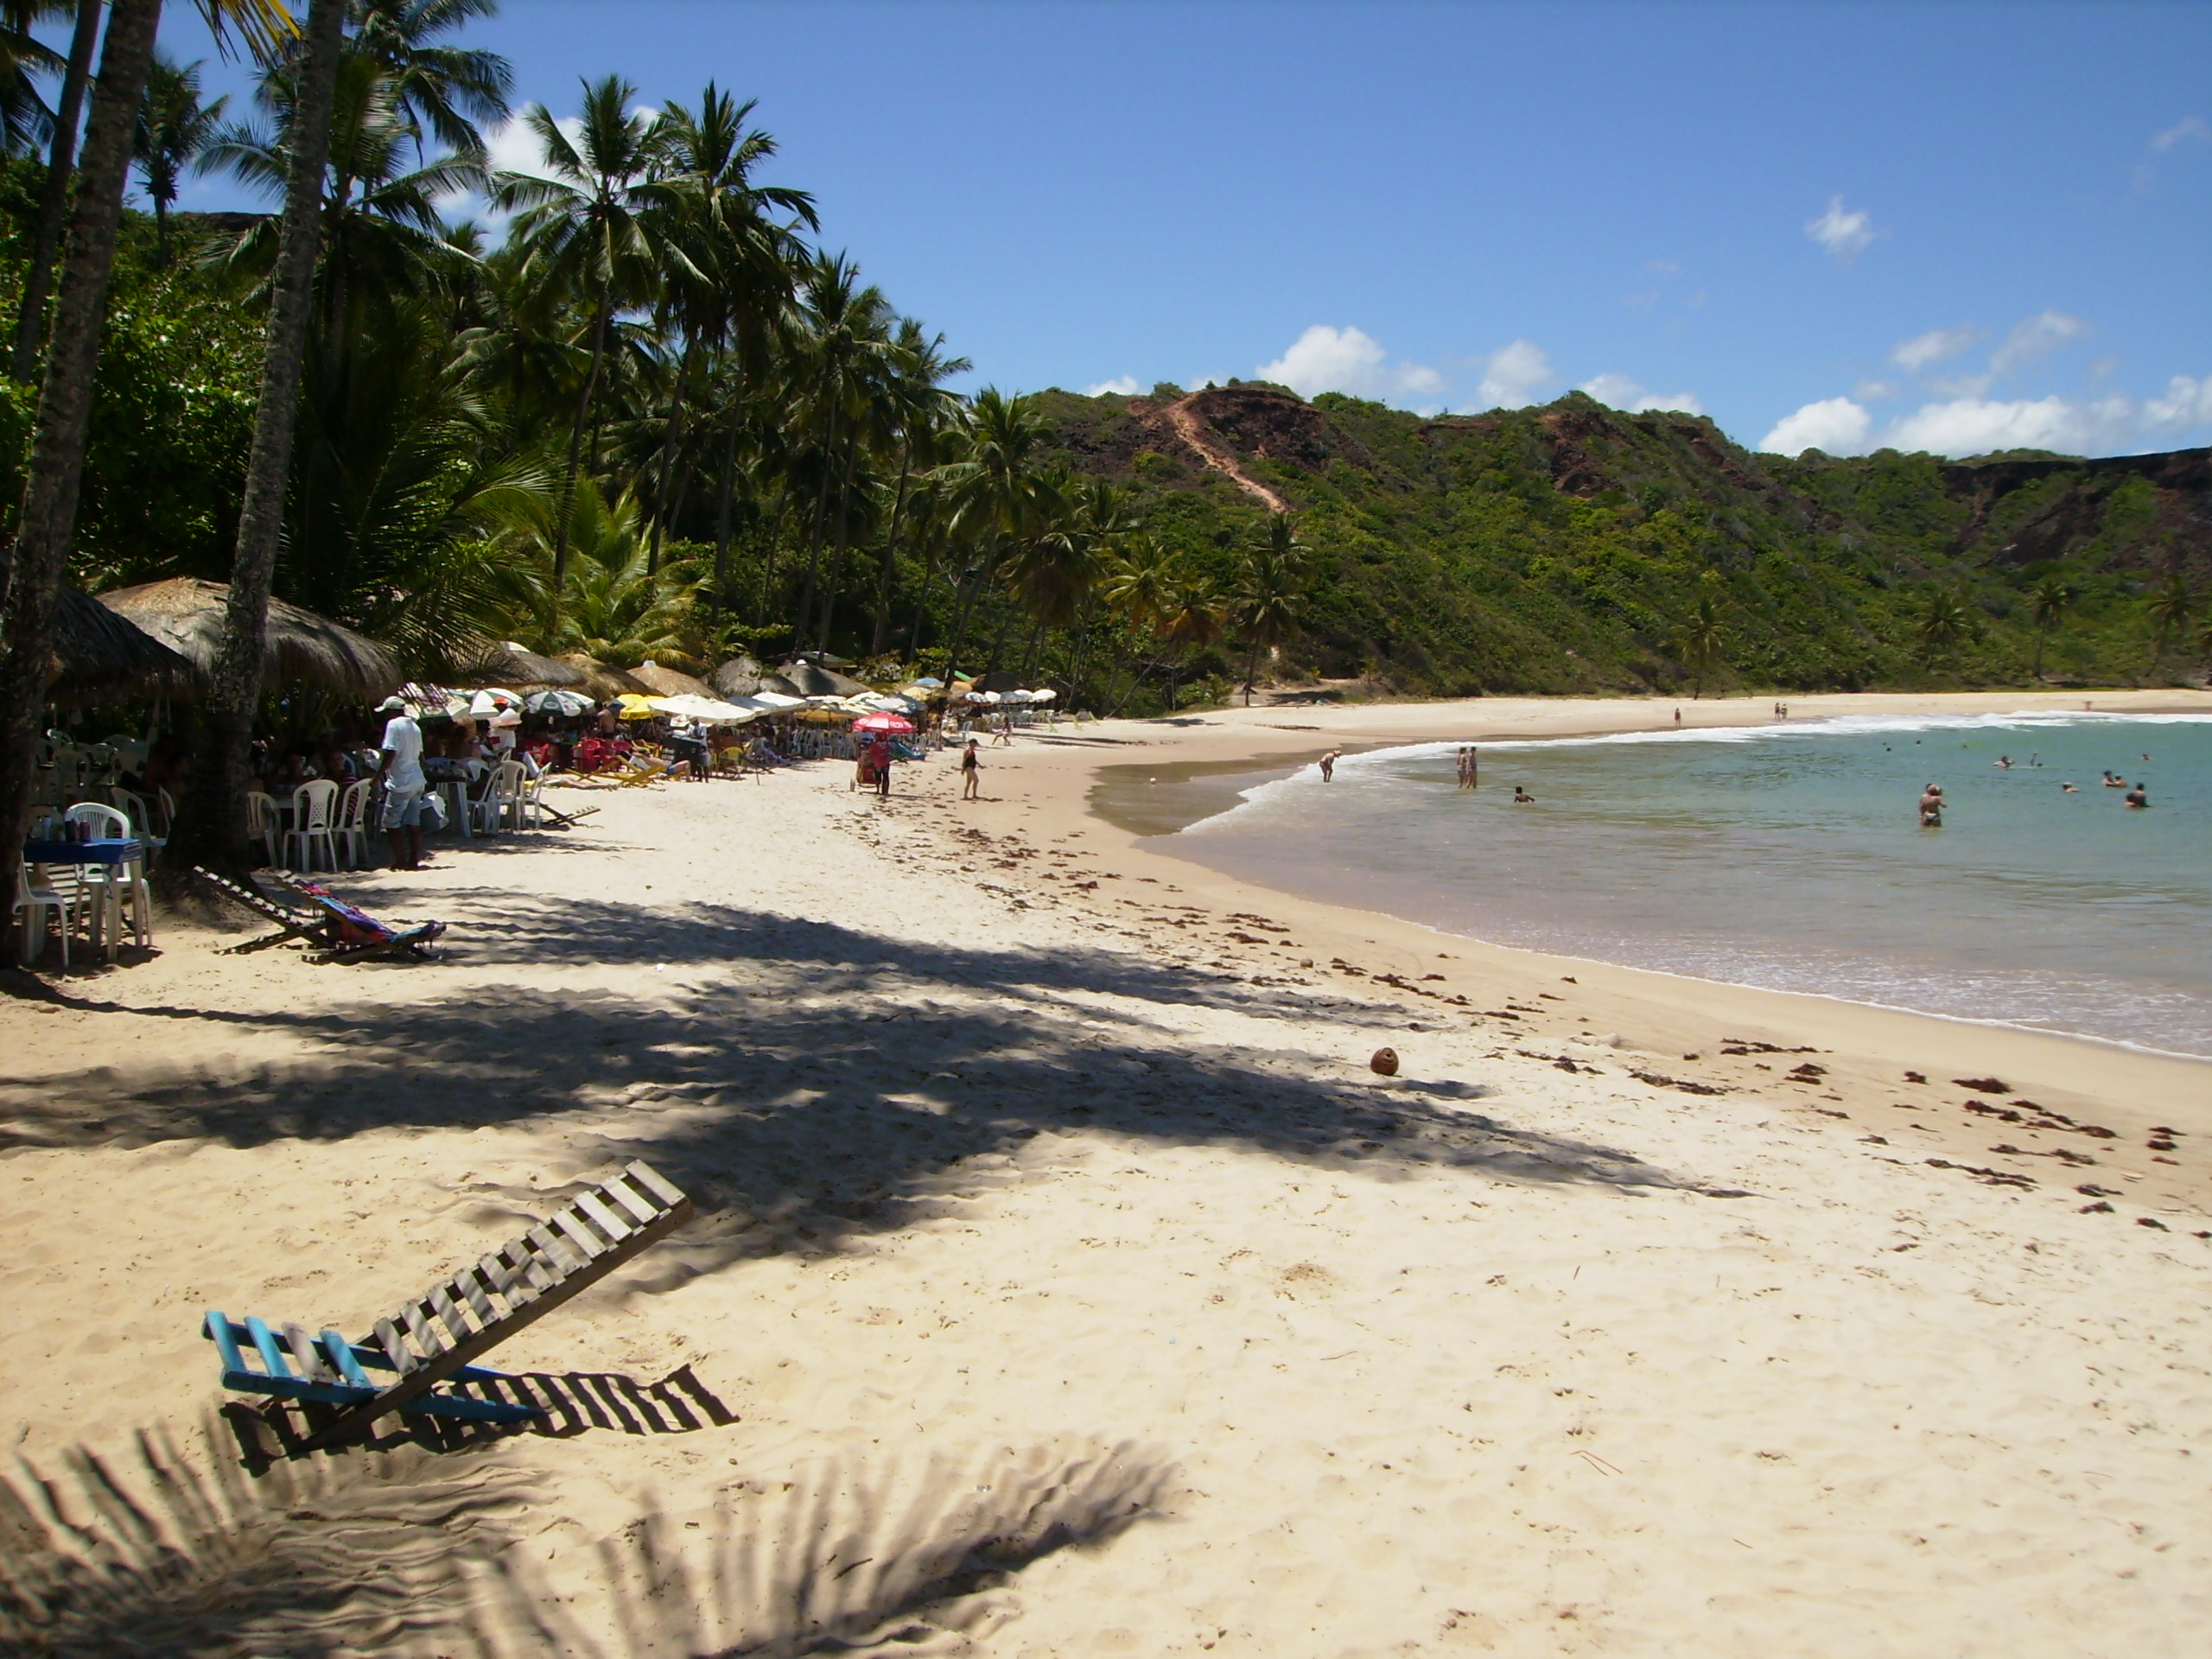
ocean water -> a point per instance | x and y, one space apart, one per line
1791 857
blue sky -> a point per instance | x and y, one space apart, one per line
1946 225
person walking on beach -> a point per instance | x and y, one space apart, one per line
1931 807
1329 766
1474 769
400 765
971 771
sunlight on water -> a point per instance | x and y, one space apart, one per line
1791 857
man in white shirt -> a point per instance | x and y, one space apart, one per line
400 766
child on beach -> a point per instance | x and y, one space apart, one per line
971 771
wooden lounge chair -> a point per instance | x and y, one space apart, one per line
332 928
432 1337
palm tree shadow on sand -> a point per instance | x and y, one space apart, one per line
402 1553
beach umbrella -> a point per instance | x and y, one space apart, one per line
713 710
930 684
186 614
812 680
510 663
487 701
883 723
568 704
1045 694
776 702
659 681
634 705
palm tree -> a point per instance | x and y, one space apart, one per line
174 130
24 119
1193 620
452 91
1945 624
993 483
586 229
211 824
2048 602
1142 585
54 196
921 410
1700 638
54 467
1266 601
2169 610
614 608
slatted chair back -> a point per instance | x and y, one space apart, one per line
430 1337
109 824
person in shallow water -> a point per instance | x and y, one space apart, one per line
2138 798
1329 766
1522 796
1931 807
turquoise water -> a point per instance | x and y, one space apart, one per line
1791 857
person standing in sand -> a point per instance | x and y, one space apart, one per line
1329 766
1931 807
1678 716
971 771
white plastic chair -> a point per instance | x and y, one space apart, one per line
134 808
115 888
31 904
513 782
312 805
261 823
351 828
530 805
487 810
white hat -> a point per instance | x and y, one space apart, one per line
392 705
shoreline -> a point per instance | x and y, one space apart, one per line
1061 777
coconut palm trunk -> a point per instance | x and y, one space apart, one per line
211 823
55 468
53 202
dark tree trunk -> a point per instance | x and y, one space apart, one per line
55 467
813 530
891 553
837 557
600 320
721 511
53 202
211 823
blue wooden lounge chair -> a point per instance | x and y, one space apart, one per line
431 1338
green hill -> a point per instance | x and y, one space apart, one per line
1564 548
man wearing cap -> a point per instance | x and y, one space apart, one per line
401 768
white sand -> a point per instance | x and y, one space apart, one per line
1011 1231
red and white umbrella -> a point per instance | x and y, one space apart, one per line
883 723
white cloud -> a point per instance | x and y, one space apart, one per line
1834 424
2188 403
1348 361
1873 391
1121 385
1513 374
513 148
1621 392
2190 126
1844 235
1937 344
2035 338
1974 426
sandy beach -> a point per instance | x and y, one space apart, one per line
1064 1282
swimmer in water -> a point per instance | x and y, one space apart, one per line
2138 798
2066 788
1522 796
2005 761
1931 807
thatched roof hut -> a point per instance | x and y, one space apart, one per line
667 683
303 649
812 680
518 667
737 677
600 680
98 653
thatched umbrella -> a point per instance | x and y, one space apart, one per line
737 677
812 680
98 653
303 649
600 680
512 665
667 683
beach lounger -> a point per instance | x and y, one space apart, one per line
431 1338
328 925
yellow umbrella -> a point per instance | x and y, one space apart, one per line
633 707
